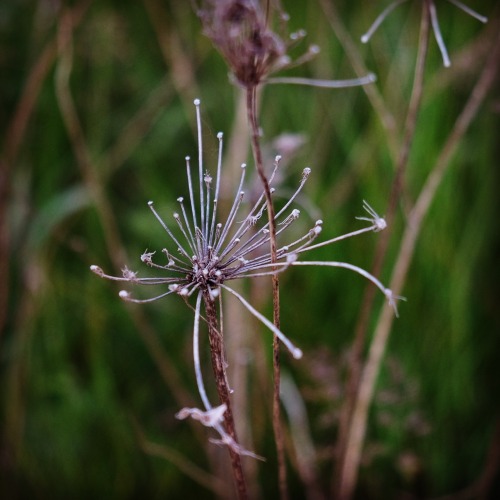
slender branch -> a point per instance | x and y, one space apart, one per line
257 153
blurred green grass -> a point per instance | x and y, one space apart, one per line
80 370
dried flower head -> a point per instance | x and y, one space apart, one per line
240 31
209 254
434 21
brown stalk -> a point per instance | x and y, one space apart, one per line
218 366
357 430
241 338
257 153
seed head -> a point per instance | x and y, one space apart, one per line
239 31
210 254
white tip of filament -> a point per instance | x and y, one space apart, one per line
220 135
150 203
123 294
196 102
371 77
365 38
297 353
97 270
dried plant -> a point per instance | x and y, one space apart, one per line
209 254
240 31
61 209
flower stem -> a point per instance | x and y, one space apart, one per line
257 153
217 354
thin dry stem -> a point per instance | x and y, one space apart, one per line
241 338
217 355
370 373
255 133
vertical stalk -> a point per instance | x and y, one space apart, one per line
217 354
257 153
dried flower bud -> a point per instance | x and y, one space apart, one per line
238 30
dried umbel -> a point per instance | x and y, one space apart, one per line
238 29
209 254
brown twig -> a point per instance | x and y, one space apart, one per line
241 338
257 153
217 355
